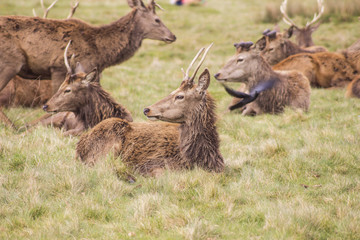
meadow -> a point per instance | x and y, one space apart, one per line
290 176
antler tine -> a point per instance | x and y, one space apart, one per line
47 10
201 61
34 12
66 59
286 18
73 9
186 76
321 9
157 5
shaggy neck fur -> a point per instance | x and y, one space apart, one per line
199 140
119 40
98 106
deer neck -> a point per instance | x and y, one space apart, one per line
99 105
119 40
262 73
199 140
291 48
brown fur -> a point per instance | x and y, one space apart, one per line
33 47
26 93
353 89
324 69
280 47
291 87
87 100
146 147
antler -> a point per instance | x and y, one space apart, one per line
157 5
286 18
72 11
46 11
66 60
201 61
321 9
186 75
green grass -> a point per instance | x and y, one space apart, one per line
291 176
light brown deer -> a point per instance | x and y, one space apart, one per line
189 138
31 46
353 89
82 95
303 36
291 88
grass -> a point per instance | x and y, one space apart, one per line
290 176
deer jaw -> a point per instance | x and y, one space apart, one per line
238 69
181 103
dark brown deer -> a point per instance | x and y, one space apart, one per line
82 94
291 88
189 138
31 46
303 36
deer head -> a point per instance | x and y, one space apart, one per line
241 65
181 103
149 23
71 94
303 35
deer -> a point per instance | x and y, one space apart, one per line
303 35
31 46
82 95
282 88
186 137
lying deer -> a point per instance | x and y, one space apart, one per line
187 139
82 95
303 36
31 46
289 88
353 89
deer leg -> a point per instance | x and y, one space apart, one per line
6 75
6 120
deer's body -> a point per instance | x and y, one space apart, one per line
291 88
323 69
353 89
33 47
190 140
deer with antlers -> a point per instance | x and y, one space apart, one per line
270 91
31 46
187 139
303 35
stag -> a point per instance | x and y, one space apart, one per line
278 89
82 95
187 139
303 35
31 46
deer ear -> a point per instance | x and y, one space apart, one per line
204 81
92 76
288 33
136 3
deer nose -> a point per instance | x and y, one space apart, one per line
146 111
45 107
217 75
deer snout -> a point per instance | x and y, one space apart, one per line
45 107
217 75
146 111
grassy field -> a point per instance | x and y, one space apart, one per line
291 176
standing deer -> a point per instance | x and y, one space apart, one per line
31 46
82 95
188 139
288 88
303 35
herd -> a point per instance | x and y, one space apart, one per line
64 72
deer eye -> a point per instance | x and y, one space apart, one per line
179 97
240 60
271 49
157 20
67 91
